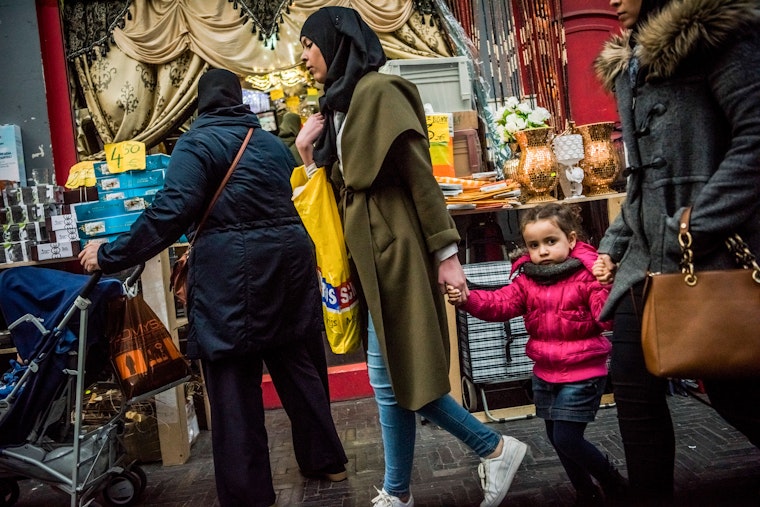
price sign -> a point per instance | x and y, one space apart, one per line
81 174
125 156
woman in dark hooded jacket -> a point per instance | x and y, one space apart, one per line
253 296
686 75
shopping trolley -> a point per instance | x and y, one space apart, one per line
490 353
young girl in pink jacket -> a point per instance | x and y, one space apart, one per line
560 300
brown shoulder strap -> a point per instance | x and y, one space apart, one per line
684 223
221 186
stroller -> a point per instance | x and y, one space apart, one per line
42 435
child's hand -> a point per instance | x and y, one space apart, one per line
604 269
454 295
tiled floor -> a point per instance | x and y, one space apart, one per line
716 466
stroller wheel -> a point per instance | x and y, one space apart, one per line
8 492
122 490
142 479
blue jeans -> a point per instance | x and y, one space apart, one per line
570 401
398 425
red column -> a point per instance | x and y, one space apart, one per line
61 119
588 24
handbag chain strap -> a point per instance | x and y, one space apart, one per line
734 243
221 187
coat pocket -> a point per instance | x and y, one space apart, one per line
382 234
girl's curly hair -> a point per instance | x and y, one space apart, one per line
565 216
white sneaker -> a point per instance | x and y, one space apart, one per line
496 474
384 499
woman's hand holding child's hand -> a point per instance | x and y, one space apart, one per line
604 269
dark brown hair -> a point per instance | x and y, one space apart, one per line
565 216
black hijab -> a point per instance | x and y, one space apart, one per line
350 49
220 89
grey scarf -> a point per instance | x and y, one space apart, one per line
549 274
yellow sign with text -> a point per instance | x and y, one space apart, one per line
441 137
125 156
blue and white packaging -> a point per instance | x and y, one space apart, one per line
12 167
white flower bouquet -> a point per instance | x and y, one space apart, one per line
518 115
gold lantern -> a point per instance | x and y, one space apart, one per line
601 163
537 169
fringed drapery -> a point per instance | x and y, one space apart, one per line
522 47
117 47
542 43
129 100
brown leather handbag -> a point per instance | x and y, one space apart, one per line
701 325
178 278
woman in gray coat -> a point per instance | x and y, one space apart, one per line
686 75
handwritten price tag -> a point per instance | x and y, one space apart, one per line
125 156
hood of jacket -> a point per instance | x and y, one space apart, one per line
682 29
235 115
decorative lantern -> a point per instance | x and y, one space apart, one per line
601 163
568 148
537 170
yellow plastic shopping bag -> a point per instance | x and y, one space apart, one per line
315 202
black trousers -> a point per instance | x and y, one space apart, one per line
239 437
645 424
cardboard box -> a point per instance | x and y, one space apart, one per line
467 153
80 194
18 196
107 208
12 167
129 193
60 222
98 239
17 251
131 179
106 226
46 251
21 213
30 231
101 168
157 161
464 120
62 235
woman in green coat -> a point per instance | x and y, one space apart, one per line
371 131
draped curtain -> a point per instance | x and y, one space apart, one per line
137 62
